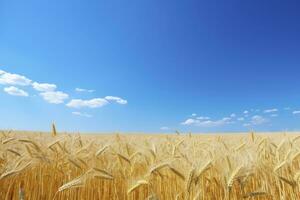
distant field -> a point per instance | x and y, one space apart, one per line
138 167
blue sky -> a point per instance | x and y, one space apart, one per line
150 66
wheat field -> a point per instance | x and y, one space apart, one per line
143 166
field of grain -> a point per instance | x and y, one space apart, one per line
138 166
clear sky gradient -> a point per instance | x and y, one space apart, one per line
150 66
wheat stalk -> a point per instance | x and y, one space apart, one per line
138 184
54 133
77 182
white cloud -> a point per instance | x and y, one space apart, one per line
226 118
189 121
83 90
164 128
274 115
247 124
48 92
241 119
95 103
296 112
208 123
271 110
203 118
257 120
233 115
92 103
55 97
194 115
13 79
15 91
82 114
246 112
116 99
44 87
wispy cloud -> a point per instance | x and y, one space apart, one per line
203 118
257 120
83 90
54 97
44 87
207 123
296 112
190 121
82 114
246 124
194 115
13 79
92 103
116 99
248 118
271 110
15 91
95 103
164 128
